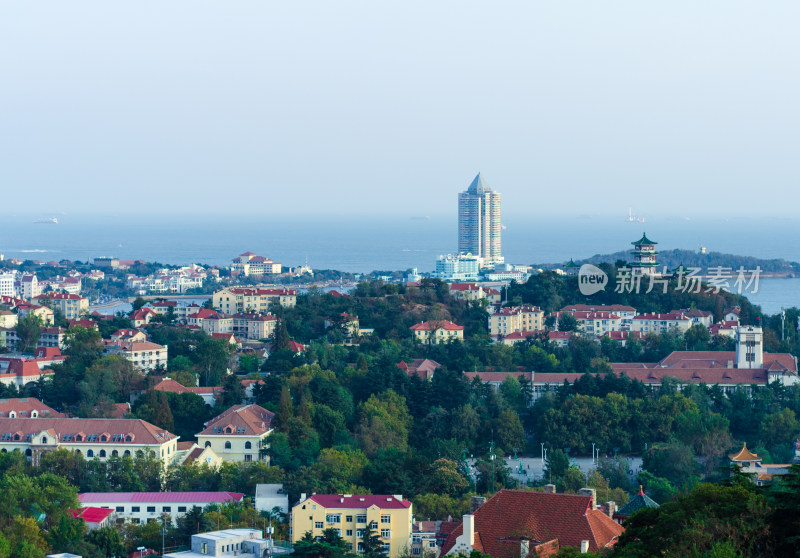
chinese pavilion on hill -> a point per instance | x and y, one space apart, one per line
644 256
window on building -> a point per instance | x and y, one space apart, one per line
151 509
361 519
248 457
385 548
431 544
349 532
135 509
204 548
248 445
318 525
181 509
166 509
102 453
361 547
416 551
333 518
348 518
227 445
386 519
386 533
120 509
208 444
373 524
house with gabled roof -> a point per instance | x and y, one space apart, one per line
238 434
523 523
437 331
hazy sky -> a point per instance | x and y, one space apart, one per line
346 107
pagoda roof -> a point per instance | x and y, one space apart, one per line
638 502
643 241
744 455
571 263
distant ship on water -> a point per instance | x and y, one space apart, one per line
632 218
48 220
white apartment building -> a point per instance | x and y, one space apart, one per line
661 323
237 300
143 354
241 543
7 284
141 507
463 267
249 264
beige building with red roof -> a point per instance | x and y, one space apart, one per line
514 319
90 438
209 394
437 331
237 300
390 517
71 306
524 523
238 434
250 264
143 354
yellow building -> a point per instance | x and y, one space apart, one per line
437 331
89 438
389 516
516 318
238 434
236 300
71 306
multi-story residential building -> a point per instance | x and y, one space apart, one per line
7 284
389 517
731 314
71 306
7 318
239 433
254 326
625 313
49 337
43 312
143 354
661 323
437 331
479 222
89 438
249 264
27 286
516 318
699 317
423 538
237 300
211 321
463 267
106 261
142 507
594 323
241 543
726 329
467 291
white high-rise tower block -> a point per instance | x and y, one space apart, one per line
479 222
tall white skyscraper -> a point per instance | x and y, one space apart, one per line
479 222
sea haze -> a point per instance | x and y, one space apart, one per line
359 243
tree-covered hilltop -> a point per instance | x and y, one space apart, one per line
691 258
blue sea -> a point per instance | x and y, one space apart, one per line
363 244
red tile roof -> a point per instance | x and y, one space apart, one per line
436 324
598 308
258 292
240 420
141 432
25 406
512 515
92 515
359 501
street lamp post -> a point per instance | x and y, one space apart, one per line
593 462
